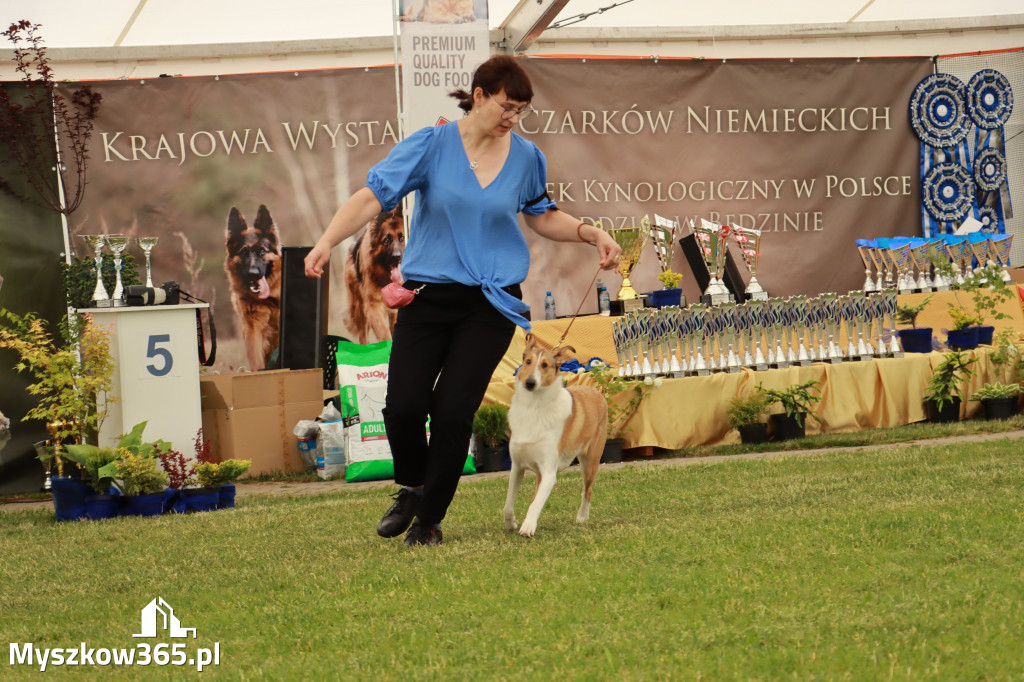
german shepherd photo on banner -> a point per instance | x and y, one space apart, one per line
253 266
374 254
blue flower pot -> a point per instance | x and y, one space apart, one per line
985 335
664 297
151 504
916 340
102 506
962 338
200 499
226 496
69 497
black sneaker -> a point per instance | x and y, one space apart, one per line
397 519
420 534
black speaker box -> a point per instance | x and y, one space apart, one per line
303 312
733 281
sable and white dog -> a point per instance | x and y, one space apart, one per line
552 424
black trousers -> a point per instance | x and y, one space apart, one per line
446 345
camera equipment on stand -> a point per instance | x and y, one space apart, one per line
632 240
170 293
749 241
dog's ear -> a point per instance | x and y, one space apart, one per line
264 224
236 225
565 354
531 341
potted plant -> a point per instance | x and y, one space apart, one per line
998 400
222 476
102 464
798 402
946 387
490 427
88 496
747 414
623 397
70 374
203 493
964 333
142 482
915 339
987 290
670 293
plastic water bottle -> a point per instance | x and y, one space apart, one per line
603 303
549 307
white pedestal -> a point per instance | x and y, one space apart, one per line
156 373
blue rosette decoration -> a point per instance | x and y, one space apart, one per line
947 192
989 169
989 99
938 111
989 105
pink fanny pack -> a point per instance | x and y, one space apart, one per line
397 296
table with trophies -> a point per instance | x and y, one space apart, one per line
708 352
155 353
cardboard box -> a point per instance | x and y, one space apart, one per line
250 415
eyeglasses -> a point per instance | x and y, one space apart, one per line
511 112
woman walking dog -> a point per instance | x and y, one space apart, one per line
466 258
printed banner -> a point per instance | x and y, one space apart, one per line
442 44
815 153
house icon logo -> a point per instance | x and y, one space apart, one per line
158 614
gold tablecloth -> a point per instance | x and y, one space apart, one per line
690 411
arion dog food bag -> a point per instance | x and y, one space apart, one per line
363 380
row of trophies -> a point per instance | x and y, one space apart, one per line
756 334
713 242
117 243
895 260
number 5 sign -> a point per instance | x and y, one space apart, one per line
156 373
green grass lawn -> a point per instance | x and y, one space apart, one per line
904 563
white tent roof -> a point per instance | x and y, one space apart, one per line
128 23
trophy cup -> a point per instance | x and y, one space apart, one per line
621 346
100 299
147 244
866 256
831 308
686 340
846 318
1000 248
979 244
670 332
939 255
878 259
890 312
711 239
645 327
632 240
664 236
699 324
44 458
859 310
745 326
776 313
756 312
749 241
117 244
959 251
798 306
899 254
920 255
729 329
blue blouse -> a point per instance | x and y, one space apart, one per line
462 232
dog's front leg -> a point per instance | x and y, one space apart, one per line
545 483
515 479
